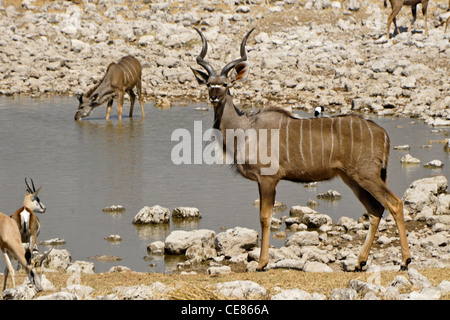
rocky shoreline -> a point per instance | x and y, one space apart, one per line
302 54
314 244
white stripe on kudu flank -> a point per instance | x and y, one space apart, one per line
360 137
310 143
340 137
322 143
371 138
287 139
385 150
351 138
127 71
131 67
124 71
332 141
301 141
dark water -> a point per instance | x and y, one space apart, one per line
88 165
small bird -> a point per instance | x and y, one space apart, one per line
318 111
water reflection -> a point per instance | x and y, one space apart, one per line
152 231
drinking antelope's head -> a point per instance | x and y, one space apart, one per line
218 85
85 107
35 271
32 200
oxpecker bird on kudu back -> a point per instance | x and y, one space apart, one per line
120 77
307 150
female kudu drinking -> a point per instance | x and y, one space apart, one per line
120 77
307 150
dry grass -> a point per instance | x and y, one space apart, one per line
199 287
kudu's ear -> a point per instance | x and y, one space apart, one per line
80 98
239 72
94 97
202 77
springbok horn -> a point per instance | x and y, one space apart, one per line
243 57
45 256
29 190
32 184
34 188
38 190
201 56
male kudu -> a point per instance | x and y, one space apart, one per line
120 77
309 150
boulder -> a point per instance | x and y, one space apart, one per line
156 247
241 289
235 241
152 215
316 220
186 213
82 292
22 292
343 294
292 294
299 211
218 270
59 296
141 292
424 193
330 195
81 267
314 266
179 241
409 160
58 259
417 279
303 238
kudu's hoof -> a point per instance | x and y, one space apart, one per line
405 267
359 268
261 267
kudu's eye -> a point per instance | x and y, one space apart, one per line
225 85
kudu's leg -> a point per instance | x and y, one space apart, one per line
424 12
108 109
266 202
141 98
414 14
375 210
132 98
395 9
389 200
395 206
120 97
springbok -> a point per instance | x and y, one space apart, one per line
27 222
397 5
11 245
309 150
120 77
